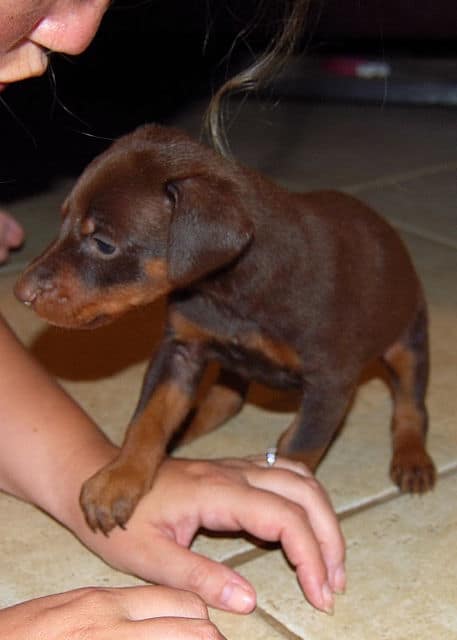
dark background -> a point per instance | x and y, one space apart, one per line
151 58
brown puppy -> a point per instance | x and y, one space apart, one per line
292 290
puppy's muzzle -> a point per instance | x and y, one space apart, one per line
33 284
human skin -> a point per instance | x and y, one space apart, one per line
143 613
29 29
284 504
11 235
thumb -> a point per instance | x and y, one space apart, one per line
218 585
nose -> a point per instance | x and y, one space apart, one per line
69 26
33 283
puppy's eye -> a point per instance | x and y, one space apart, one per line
172 192
103 246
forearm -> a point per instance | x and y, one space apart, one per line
49 445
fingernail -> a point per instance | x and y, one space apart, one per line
237 598
339 580
327 599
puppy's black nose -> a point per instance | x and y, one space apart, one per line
25 290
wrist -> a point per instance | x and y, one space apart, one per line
82 464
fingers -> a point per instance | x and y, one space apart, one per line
162 613
15 234
165 614
283 463
11 235
137 612
173 629
285 505
293 481
270 517
218 585
144 602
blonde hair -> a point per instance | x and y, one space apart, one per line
257 74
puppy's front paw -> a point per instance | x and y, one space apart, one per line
413 471
110 496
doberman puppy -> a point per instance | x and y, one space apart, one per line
292 290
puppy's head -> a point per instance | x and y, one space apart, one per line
153 213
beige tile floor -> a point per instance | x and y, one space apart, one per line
401 550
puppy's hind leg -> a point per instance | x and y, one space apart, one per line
407 361
223 401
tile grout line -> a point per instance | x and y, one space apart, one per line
400 177
423 233
396 179
390 494
244 557
277 625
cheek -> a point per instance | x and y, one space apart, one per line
104 274
121 284
18 19
113 291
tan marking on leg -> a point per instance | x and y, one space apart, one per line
274 350
412 469
220 404
109 497
187 330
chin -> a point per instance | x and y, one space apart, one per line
75 321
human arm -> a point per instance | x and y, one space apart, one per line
63 447
45 436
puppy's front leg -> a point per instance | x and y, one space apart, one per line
322 411
110 496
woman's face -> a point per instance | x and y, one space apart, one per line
30 28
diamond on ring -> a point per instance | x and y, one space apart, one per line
270 456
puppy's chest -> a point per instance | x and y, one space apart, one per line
243 348
258 358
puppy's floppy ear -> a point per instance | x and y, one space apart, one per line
208 228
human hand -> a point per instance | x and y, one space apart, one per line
11 235
149 613
282 504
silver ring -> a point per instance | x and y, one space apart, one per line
270 456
